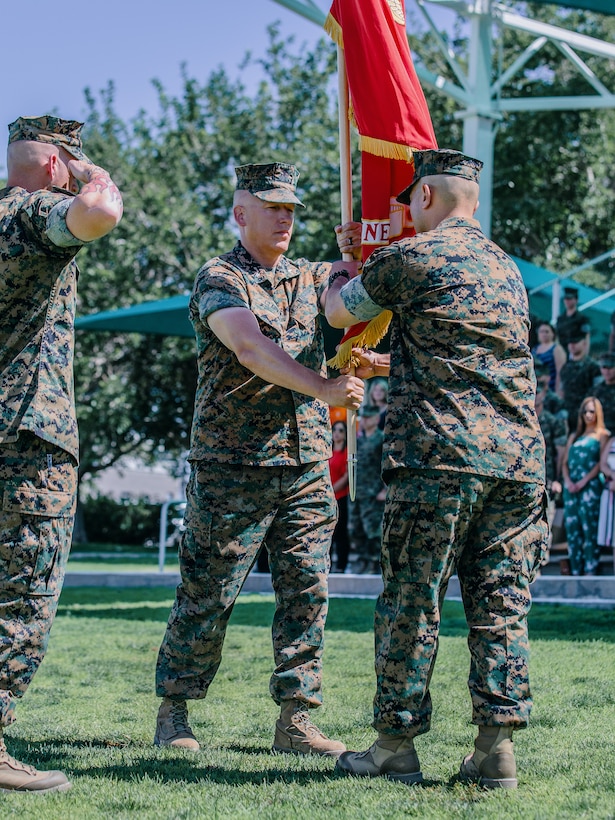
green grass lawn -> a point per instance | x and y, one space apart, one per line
91 711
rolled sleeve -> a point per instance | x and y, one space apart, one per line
57 229
358 302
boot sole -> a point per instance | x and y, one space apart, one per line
308 753
62 787
489 782
408 779
398 777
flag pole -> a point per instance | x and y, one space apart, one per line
346 213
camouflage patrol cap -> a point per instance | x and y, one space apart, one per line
607 360
272 182
577 334
49 129
434 162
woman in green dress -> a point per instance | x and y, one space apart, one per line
583 487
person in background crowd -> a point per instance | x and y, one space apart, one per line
578 377
604 390
550 352
55 202
571 324
366 511
606 517
552 420
338 467
376 395
583 487
464 465
260 445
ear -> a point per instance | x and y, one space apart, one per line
51 166
426 195
239 212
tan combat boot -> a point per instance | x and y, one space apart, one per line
172 727
19 777
492 764
391 756
295 733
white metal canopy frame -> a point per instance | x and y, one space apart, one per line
482 100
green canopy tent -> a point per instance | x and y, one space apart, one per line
169 317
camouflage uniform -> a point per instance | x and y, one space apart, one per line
571 327
605 393
366 511
38 426
464 464
554 431
259 456
577 379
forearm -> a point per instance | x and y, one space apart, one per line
97 208
271 363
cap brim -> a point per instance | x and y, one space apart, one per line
77 153
279 195
404 196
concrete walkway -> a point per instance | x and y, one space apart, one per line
555 589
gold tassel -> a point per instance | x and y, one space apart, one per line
384 148
369 337
334 30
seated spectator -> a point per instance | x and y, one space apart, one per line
583 487
338 467
367 510
606 519
578 377
605 389
550 352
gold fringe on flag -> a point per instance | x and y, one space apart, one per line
334 30
384 148
369 337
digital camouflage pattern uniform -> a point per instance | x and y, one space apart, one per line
464 464
577 380
571 327
38 427
366 511
605 393
260 473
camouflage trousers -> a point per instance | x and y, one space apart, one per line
232 510
39 488
494 532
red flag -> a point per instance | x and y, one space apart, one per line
388 109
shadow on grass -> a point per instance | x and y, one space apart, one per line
183 767
546 621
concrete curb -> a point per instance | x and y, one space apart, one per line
589 592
